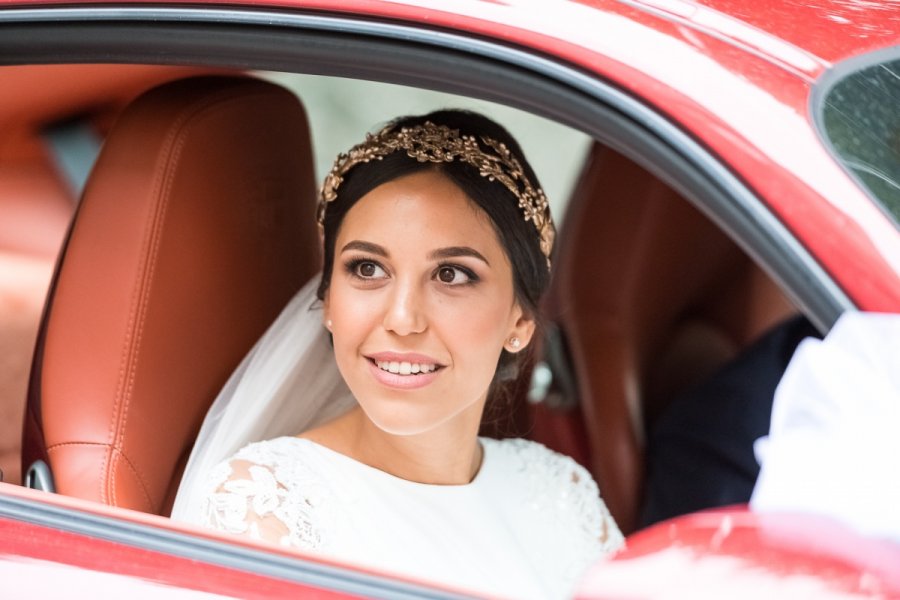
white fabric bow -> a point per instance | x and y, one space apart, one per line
833 447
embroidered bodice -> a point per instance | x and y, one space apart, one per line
527 526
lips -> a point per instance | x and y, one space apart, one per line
404 370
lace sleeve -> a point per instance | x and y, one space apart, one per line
264 502
596 522
564 491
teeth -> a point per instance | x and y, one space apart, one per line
404 368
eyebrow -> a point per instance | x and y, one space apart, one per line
456 251
449 252
365 247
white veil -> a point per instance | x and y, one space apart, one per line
287 383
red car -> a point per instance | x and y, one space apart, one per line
719 166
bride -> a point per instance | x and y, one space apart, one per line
370 387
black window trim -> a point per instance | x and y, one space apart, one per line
334 44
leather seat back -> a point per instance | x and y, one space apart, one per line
196 227
37 200
638 267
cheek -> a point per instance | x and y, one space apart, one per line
351 318
475 330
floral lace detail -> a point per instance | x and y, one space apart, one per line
279 498
560 489
274 490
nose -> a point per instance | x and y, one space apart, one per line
405 314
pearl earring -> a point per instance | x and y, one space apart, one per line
328 324
514 343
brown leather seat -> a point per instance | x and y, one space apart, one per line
650 296
196 227
37 203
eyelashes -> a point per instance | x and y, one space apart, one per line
451 270
365 269
448 274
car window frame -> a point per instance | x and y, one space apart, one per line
117 528
393 52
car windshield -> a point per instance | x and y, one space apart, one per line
860 117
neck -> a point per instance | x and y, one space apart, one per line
447 455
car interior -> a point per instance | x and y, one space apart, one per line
124 307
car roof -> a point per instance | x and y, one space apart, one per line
809 35
829 30
806 34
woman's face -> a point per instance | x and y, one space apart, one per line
421 303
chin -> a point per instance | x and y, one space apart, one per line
414 412
403 420
407 415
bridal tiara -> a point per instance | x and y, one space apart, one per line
438 144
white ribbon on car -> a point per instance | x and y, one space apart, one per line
833 447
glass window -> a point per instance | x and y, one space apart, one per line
860 116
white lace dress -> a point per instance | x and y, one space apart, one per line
526 527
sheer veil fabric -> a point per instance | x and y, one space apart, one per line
286 384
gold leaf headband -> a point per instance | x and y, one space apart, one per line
439 144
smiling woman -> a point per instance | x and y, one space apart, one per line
437 291
437 245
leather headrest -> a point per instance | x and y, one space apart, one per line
196 227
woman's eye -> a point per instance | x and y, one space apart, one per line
368 270
453 276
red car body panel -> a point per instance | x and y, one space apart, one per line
42 562
143 572
739 554
149 574
738 76
831 31
708 555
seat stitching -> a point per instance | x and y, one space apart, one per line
129 356
162 179
137 475
149 268
63 444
